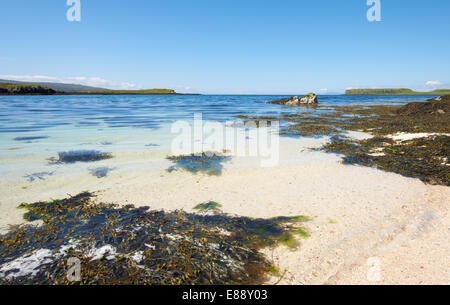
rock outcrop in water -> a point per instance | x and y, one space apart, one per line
309 99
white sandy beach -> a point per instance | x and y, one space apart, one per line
357 213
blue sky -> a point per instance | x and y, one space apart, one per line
228 46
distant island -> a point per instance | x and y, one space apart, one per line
127 92
22 88
401 91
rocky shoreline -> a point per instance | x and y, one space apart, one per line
412 140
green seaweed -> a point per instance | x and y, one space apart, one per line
302 232
208 206
288 240
273 269
332 221
209 163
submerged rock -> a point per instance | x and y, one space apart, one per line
309 99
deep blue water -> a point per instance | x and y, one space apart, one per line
20 115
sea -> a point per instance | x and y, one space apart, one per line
34 129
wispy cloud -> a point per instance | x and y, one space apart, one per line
433 83
79 80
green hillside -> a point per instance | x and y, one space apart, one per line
402 91
145 91
20 88
9 86
60 87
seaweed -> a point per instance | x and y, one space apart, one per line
425 159
129 245
100 172
30 138
208 206
40 176
282 101
438 106
332 221
302 232
209 163
74 156
273 269
309 130
378 119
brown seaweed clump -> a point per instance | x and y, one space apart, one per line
424 158
128 245
438 106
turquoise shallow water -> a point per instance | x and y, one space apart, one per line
42 126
